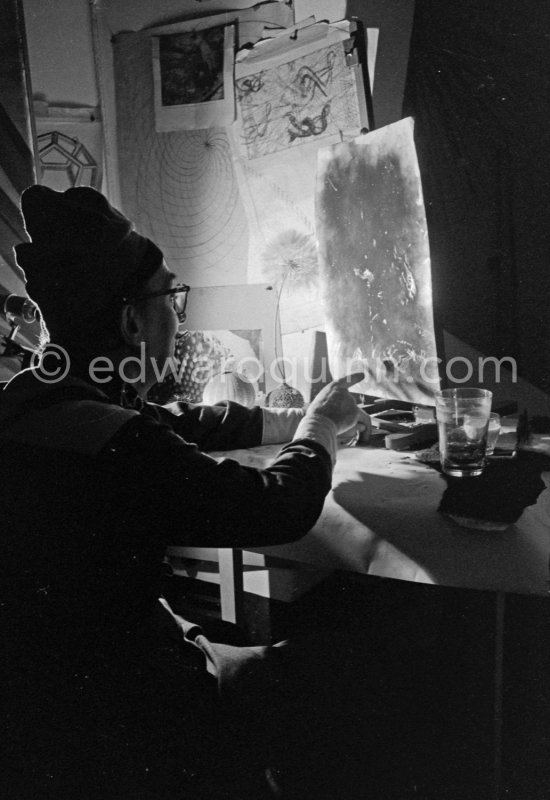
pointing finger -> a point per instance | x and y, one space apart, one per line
349 380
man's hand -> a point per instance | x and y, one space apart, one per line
337 403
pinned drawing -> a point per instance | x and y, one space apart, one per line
375 264
192 74
308 98
191 66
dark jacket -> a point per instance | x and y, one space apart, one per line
91 494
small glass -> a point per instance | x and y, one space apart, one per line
493 432
462 421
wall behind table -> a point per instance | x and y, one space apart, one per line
59 40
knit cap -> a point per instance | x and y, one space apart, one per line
83 257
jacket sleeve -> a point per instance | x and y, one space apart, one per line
228 425
184 496
224 426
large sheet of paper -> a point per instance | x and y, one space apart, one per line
375 264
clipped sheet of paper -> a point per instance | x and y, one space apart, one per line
193 78
290 92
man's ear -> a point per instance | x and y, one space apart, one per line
131 326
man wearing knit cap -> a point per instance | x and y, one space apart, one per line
84 256
108 690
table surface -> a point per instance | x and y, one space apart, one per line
381 518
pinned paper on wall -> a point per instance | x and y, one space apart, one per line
193 76
289 93
374 261
229 328
249 312
277 194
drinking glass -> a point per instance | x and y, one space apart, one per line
462 421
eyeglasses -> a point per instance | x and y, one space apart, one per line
178 296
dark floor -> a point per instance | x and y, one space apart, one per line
441 644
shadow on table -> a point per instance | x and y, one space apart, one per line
405 515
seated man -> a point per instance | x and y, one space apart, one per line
106 698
